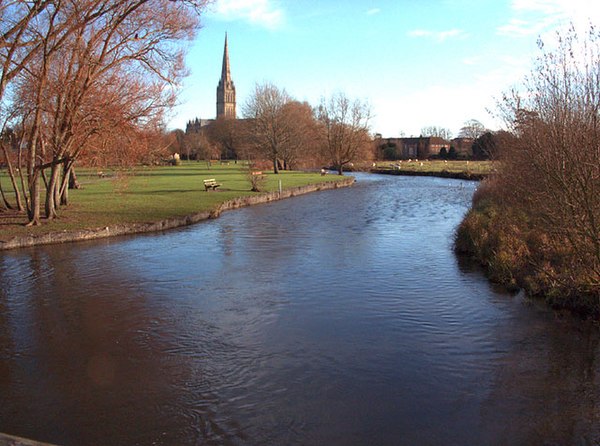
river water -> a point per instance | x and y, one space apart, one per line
336 318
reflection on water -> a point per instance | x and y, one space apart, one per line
340 317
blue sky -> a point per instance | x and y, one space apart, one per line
417 62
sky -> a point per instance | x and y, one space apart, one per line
417 63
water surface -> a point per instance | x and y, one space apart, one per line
341 317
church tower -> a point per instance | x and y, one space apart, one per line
226 89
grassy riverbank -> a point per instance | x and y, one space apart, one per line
144 195
432 167
518 253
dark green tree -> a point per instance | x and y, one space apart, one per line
484 147
389 151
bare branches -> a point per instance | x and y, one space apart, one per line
80 69
436 131
345 124
552 167
270 129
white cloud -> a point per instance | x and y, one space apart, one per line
373 11
264 13
536 17
439 36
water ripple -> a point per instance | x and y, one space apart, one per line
341 317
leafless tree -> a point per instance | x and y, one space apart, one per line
436 131
270 129
302 143
551 168
228 136
472 129
99 65
344 129
201 146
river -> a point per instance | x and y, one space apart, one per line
336 318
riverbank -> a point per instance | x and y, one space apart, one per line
10 440
150 200
462 170
520 255
428 173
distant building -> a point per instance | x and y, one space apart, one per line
421 147
195 125
463 146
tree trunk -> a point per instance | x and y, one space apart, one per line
13 180
33 176
69 182
51 193
73 182
64 188
33 212
275 165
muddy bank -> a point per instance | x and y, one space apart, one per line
170 223
442 174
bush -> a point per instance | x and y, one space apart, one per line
517 253
256 178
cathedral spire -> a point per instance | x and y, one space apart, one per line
226 88
225 72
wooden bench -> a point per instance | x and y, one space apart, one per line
211 184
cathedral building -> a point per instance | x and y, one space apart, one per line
226 89
225 97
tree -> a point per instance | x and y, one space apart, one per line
281 128
551 166
302 143
444 153
344 129
270 130
201 147
177 143
390 151
436 131
488 145
228 136
99 67
472 129
484 146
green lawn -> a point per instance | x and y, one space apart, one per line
149 194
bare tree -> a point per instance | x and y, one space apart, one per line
19 40
551 168
270 129
228 136
472 129
302 143
436 131
201 146
345 129
99 65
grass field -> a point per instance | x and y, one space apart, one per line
149 195
435 166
